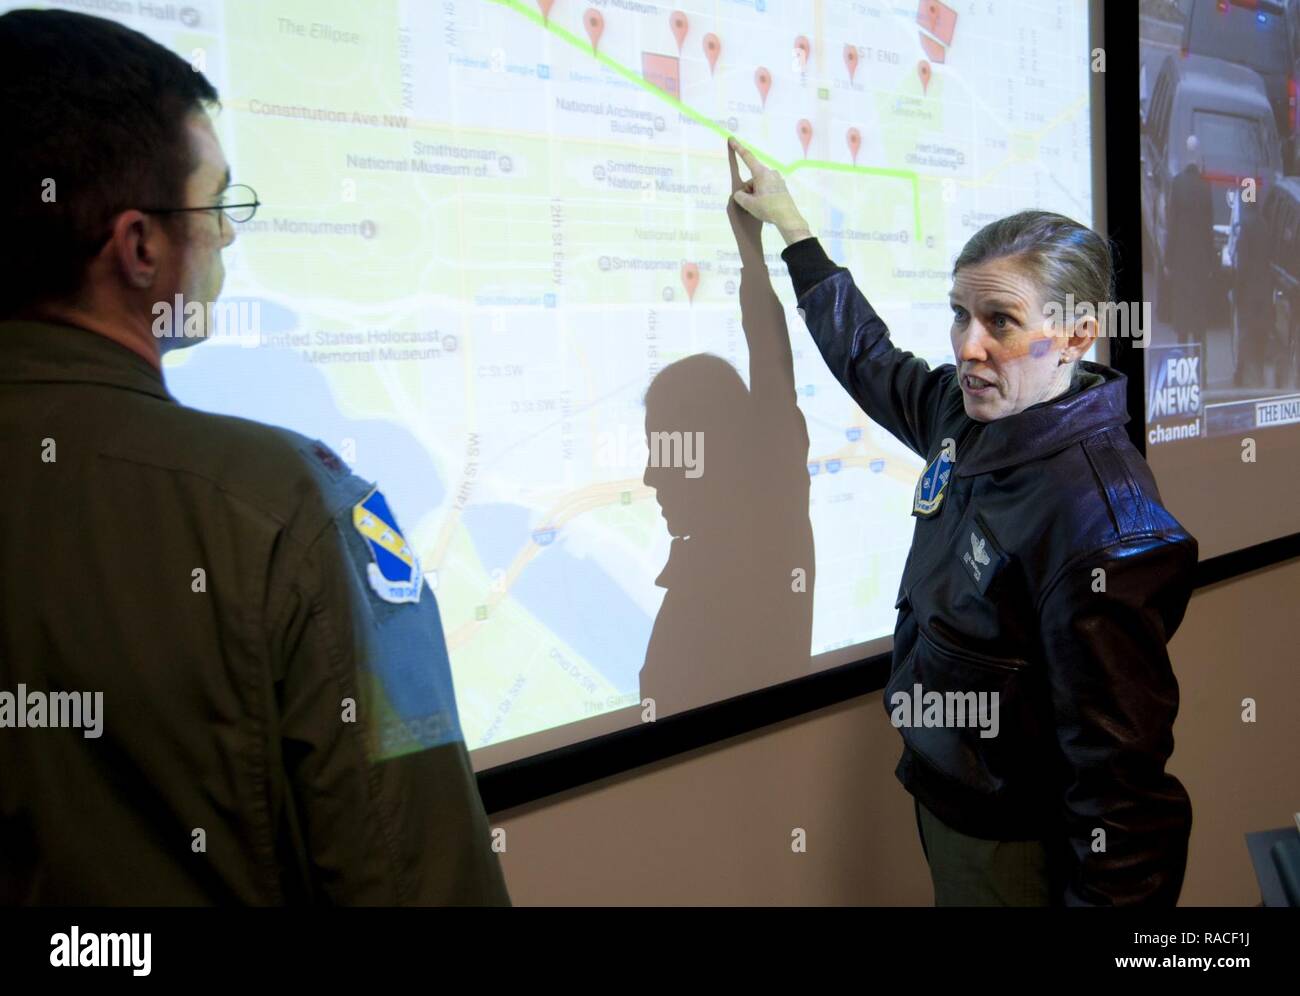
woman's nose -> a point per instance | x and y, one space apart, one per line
970 345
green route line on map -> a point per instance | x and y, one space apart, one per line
635 78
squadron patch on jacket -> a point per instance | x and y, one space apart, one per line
931 486
394 571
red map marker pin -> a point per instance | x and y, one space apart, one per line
854 138
595 22
690 279
762 80
712 47
851 59
805 134
680 25
804 50
930 13
546 6
923 71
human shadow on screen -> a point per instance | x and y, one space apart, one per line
729 466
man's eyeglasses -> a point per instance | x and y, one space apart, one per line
239 203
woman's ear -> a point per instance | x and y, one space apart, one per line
1084 333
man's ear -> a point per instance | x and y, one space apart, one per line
133 248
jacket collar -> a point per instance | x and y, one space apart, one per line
1047 427
44 352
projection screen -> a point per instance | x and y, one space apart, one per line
488 226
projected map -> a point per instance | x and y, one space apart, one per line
487 224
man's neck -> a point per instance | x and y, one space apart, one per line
127 332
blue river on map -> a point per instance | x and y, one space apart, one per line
572 596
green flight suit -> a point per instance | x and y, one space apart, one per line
278 723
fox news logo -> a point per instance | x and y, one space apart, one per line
1175 385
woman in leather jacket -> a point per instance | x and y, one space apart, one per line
1030 680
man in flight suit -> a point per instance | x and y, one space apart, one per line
222 679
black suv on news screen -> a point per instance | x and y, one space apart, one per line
1263 35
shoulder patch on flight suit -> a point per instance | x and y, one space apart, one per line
980 554
394 569
931 486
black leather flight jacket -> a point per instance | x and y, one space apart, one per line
1050 574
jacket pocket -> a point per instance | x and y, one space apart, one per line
985 561
972 716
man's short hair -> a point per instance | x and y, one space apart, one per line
93 123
